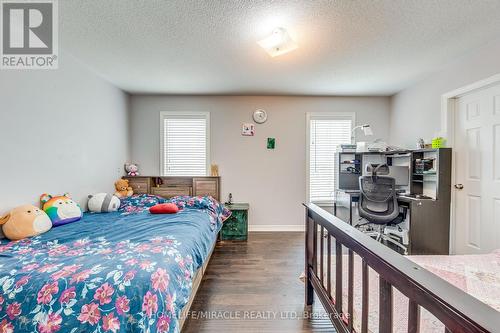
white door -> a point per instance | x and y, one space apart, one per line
477 148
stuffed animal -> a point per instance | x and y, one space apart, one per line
61 209
132 169
25 221
103 203
123 189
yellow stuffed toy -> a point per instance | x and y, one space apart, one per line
123 189
25 221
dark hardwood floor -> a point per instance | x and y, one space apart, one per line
255 285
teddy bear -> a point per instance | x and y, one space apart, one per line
123 189
132 169
25 221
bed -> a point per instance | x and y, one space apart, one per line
117 272
366 287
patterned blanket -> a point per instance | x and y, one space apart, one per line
109 272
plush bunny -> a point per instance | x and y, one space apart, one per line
25 221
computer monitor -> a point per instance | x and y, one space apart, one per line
401 174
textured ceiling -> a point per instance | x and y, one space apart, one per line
346 47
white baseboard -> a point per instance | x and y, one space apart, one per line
276 227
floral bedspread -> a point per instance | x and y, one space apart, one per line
217 212
108 272
139 203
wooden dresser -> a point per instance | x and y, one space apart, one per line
168 187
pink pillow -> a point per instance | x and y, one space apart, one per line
165 208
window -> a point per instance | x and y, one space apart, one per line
185 143
326 133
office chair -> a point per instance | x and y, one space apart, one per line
378 203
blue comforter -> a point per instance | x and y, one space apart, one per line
107 272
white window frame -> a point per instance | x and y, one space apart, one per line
318 115
201 114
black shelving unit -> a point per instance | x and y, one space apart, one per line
349 166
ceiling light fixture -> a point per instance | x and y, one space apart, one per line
278 43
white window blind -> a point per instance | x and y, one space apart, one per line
184 144
326 134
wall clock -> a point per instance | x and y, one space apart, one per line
260 116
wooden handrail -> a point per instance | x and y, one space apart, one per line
457 310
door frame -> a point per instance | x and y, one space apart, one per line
448 110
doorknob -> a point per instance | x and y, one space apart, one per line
459 186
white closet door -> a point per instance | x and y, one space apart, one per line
477 138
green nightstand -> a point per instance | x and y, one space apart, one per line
236 226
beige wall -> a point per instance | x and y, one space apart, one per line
63 130
272 181
416 111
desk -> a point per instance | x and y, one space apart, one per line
429 223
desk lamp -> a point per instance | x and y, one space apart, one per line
366 130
